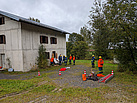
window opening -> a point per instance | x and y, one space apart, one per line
53 40
2 21
2 39
44 39
2 60
47 55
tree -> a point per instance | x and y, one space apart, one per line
86 33
69 47
42 58
80 49
74 37
121 17
100 33
76 46
33 19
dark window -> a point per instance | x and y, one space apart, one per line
2 21
53 40
44 39
2 39
54 54
47 55
2 60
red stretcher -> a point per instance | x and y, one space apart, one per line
106 78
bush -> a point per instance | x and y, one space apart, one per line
42 58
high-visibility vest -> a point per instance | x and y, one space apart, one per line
73 58
70 57
52 59
100 63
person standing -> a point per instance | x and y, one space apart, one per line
60 59
52 60
70 59
73 60
66 59
63 58
100 64
93 61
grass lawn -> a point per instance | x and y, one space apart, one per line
122 88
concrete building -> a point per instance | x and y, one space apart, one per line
20 39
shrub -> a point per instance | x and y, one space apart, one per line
42 58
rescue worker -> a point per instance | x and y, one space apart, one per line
100 65
66 59
73 60
52 60
93 61
70 59
63 58
60 59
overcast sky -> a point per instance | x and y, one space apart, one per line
67 15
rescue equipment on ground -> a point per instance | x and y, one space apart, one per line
100 75
106 78
84 77
62 69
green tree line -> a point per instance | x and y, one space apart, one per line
114 25
112 32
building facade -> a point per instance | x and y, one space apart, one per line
20 39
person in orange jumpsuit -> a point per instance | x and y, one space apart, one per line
52 60
73 60
70 58
100 65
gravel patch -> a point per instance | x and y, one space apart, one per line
73 77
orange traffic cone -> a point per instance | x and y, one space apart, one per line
38 73
112 72
59 72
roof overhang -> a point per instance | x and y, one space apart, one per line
21 19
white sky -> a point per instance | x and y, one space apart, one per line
67 15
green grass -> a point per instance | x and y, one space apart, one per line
14 86
125 88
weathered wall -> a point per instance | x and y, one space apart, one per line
13 47
23 41
31 42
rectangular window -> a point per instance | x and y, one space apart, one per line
2 21
44 39
2 39
53 40
47 55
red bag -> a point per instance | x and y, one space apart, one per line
62 69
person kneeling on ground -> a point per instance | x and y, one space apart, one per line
92 76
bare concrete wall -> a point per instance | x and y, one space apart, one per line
13 47
23 41
31 42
